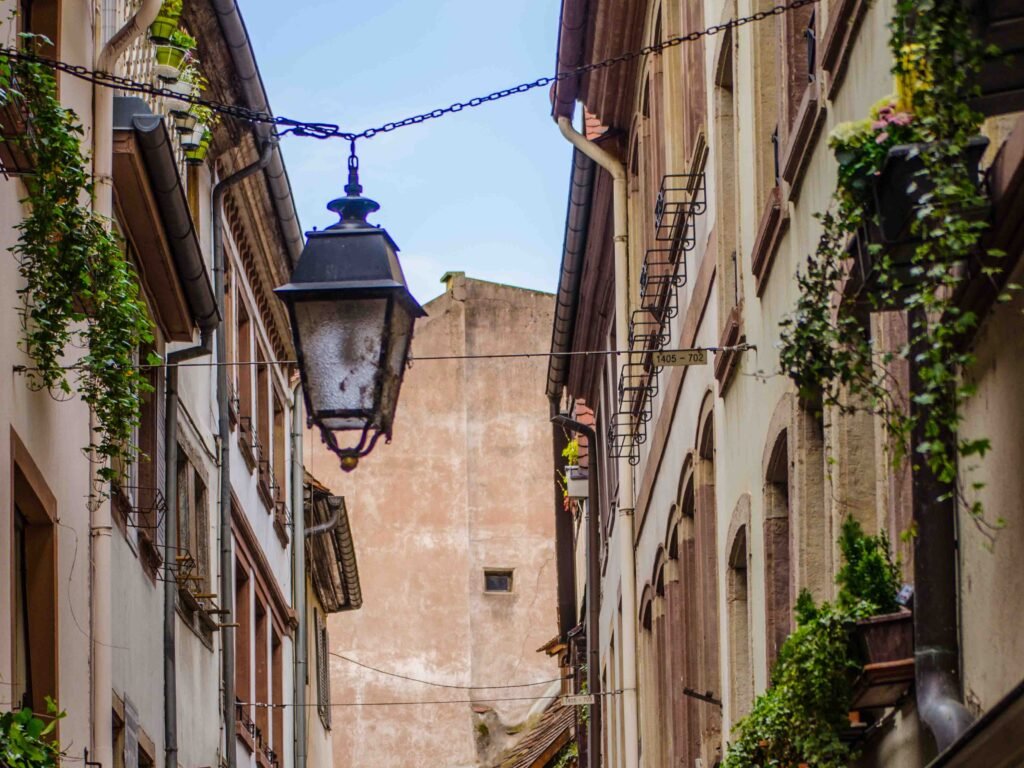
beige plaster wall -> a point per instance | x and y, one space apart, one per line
466 484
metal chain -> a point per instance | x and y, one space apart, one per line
285 125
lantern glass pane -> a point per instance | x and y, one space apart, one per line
398 342
341 350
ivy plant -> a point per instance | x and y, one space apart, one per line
26 740
825 348
79 289
799 720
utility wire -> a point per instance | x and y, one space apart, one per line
323 130
446 685
489 700
483 356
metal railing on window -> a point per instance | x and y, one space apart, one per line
681 199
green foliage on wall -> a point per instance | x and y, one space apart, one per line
799 720
80 291
825 349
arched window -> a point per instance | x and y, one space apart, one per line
741 677
777 553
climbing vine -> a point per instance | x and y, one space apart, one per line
79 289
825 348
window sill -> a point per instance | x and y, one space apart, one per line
774 222
245 443
149 554
839 37
810 117
726 362
281 524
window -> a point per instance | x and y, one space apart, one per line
242 643
739 627
193 522
280 446
497 581
34 605
323 670
41 17
244 358
277 744
778 569
261 692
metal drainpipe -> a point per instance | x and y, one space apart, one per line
936 634
100 523
205 347
593 588
299 674
227 564
627 555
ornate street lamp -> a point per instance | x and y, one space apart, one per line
352 318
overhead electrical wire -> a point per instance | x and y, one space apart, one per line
325 130
447 685
745 347
488 700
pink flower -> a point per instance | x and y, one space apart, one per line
878 125
902 119
882 137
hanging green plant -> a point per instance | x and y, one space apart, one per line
920 143
79 289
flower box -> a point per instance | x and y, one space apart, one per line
577 484
887 645
886 638
14 153
169 59
900 186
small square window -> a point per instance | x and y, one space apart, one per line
497 581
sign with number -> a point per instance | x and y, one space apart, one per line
576 701
681 357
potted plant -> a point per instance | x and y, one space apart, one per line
197 156
166 22
170 56
901 185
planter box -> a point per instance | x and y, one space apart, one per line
900 187
576 482
887 645
886 638
14 154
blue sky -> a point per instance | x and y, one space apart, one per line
482 191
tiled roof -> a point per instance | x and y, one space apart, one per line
542 742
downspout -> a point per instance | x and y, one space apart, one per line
565 558
227 564
620 217
593 588
300 674
100 523
204 348
937 682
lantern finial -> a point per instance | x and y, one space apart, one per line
353 208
